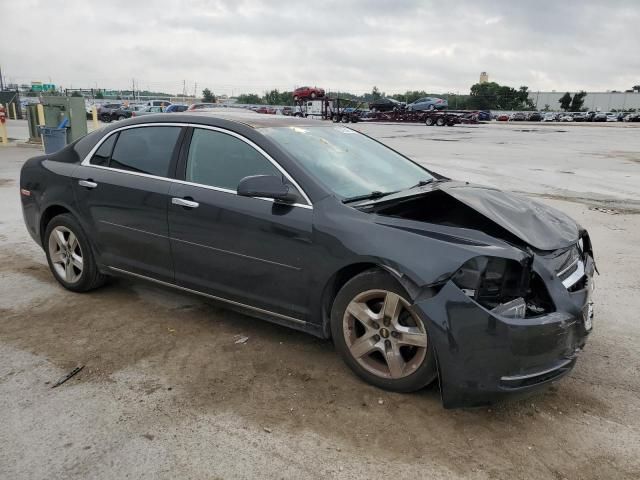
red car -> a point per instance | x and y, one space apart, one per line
307 92
503 117
269 110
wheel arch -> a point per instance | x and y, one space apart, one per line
47 215
346 273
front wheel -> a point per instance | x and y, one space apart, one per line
69 255
380 336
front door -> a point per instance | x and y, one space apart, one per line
124 193
247 250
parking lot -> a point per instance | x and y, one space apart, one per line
168 392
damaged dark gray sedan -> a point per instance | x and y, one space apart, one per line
414 276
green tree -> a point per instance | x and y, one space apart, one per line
208 96
578 101
492 96
565 102
250 98
375 93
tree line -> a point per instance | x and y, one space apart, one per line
482 96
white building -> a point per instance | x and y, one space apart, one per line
594 101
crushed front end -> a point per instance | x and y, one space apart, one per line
501 327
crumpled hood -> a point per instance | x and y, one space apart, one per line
541 226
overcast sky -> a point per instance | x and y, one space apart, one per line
251 46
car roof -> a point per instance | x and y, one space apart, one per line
240 116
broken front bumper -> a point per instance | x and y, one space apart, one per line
483 357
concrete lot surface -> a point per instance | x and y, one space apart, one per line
167 393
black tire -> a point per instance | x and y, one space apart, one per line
106 118
121 117
345 119
429 121
90 277
335 118
440 121
377 279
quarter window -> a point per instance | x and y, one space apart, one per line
220 160
145 150
102 155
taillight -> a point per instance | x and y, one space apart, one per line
133 114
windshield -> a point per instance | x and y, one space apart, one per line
347 162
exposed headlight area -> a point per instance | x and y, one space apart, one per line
503 286
569 264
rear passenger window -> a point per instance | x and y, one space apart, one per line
102 155
220 160
145 150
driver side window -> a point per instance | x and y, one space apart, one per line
220 160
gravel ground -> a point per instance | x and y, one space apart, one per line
167 393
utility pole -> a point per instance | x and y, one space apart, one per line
195 89
133 88
1 81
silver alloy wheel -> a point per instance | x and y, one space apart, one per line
384 335
65 254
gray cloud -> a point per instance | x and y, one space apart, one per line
234 46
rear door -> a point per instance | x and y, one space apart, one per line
123 193
247 250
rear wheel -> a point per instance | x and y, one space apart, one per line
440 121
429 121
379 334
69 255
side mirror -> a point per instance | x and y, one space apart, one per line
266 186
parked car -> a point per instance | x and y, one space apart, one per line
385 104
549 117
502 117
600 117
501 303
158 103
427 103
148 111
266 109
517 117
483 116
534 117
302 93
176 108
108 112
202 106
579 117
632 117
289 111
566 117
612 117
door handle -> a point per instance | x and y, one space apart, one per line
184 203
87 183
